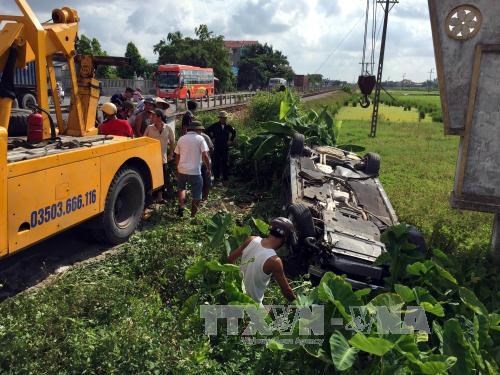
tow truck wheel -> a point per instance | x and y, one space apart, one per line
123 208
297 144
302 220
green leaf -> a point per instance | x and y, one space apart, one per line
276 346
277 128
436 309
438 331
455 345
195 270
437 364
343 355
362 292
444 273
217 227
213 265
266 147
417 269
404 292
373 345
335 289
494 321
261 226
471 301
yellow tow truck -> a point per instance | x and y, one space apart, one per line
73 174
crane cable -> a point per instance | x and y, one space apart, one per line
363 61
340 43
374 34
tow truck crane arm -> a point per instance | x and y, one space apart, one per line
28 39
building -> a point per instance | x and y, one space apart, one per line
235 47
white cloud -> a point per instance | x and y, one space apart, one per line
307 31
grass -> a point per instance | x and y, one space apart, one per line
418 168
126 314
387 113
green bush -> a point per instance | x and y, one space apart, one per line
265 106
437 116
354 103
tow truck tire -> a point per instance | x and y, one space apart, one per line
297 144
123 207
18 122
372 163
28 100
302 220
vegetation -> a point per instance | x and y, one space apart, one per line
136 311
259 63
87 46
206 50
138 64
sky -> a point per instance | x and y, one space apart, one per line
317 36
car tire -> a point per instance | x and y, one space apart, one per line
123 208
28 100
416 238
302 220
371 163
297 144
18 122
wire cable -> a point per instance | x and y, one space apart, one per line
338 46
363 61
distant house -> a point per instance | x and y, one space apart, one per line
235 47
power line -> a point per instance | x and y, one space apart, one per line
338 46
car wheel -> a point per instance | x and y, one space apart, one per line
371 163
416 238
297 144
123 207
28 100
302 220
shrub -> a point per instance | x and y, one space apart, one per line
421 115
354 103
437 116
265 106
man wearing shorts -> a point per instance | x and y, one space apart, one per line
190 151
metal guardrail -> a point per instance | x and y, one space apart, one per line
220 100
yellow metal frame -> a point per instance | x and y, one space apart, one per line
43 196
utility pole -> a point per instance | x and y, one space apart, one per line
430 80
378 85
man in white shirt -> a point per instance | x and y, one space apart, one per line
161 131
259 260
190 151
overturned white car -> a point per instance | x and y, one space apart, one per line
340 211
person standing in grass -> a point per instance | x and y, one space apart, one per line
190 151
161 131
259 260
222 135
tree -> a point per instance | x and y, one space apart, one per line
261 62
138 64
315 80
87 46
206 50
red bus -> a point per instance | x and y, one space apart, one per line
184 81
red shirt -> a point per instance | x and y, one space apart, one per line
120 128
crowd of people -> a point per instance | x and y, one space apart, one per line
198 154
192 160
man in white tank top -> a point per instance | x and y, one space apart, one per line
259 260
